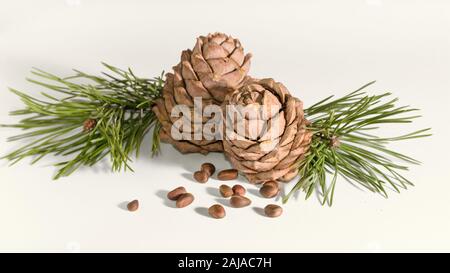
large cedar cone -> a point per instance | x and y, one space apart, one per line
216 66
273 140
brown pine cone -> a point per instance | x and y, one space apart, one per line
216 66
220 64
89 125
271 141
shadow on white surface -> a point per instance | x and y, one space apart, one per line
163 195
188 176
223 202
213 191
254 192
123 205
170 156
259 211
202 211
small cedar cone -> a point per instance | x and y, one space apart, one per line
216 66
335 142
89 124
273 140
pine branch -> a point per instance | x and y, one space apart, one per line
108 115
342 146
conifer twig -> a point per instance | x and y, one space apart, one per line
343 146
108 115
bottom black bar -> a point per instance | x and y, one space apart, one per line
211 262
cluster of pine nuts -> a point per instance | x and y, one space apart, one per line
236 193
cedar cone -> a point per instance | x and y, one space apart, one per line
271 142
216 66
89 124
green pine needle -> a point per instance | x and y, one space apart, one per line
342 146
118 102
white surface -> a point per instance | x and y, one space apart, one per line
316 48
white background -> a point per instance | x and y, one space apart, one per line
316 48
